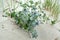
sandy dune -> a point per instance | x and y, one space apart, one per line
10 31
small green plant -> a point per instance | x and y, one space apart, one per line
27 18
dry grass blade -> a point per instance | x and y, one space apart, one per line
53 7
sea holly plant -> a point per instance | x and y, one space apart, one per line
27 19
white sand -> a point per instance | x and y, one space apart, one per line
10 31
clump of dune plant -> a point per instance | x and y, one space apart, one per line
27 19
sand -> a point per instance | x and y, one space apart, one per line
10 31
